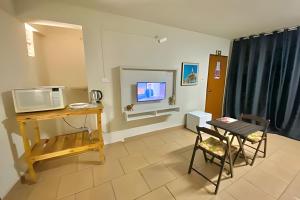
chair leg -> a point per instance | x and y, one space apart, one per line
192 159
225 133
265 147
205 157
256 151
232 139
220 175
230 164
236 156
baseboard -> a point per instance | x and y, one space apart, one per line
119 136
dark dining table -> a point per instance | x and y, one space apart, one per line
239 129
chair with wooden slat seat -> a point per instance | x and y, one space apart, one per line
218 146
258 137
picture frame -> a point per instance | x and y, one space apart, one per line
189 74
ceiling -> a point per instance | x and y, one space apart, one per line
225 18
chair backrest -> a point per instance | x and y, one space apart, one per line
255 119
212 133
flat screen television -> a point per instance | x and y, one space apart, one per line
150 91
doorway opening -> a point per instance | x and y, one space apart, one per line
56 54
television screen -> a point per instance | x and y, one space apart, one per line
150 91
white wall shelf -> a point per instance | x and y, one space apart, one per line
129 76
143 114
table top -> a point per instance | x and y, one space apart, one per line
52 114
237 127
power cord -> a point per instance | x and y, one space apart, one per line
80 128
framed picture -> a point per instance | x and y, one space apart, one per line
189 73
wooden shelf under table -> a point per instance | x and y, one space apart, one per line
64 145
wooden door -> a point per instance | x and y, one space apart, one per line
215 85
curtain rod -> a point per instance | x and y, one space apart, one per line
267 33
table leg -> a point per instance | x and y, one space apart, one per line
242 148
27 149
37 136
101 143
216 129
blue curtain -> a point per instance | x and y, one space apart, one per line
264 79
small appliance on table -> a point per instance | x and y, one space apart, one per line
95 96
38 99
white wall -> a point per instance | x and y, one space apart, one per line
63 56
7 5
126 41
14 74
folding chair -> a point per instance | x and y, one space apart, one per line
218 147
258 137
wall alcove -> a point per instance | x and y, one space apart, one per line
129 76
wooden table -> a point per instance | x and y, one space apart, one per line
240 129
59 145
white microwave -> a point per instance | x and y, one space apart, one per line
38 99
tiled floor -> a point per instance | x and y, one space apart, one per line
154 167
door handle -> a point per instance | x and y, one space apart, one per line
209 90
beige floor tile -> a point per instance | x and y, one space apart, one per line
212 172
56 167
185 138
133 162
88 159
72 197
46 189
266 182
293 188
199 158
168 137
158 194
177 164
284 159
153 140
152 157
135 146
281 172
109 170
189 187
55 162
287 196
157 175
115 151
130 186
104 192
167 148
19 192
75 182
244 190
223 196
240 171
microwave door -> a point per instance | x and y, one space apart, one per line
32 100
